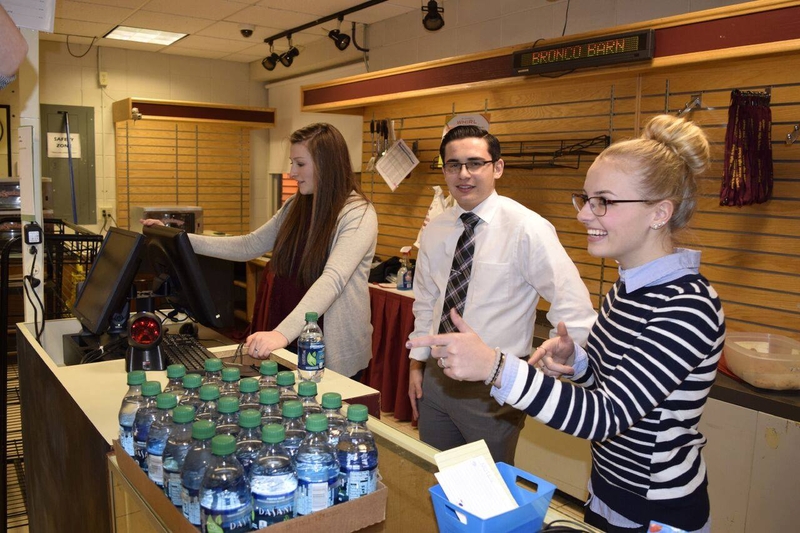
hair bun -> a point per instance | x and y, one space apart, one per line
685 138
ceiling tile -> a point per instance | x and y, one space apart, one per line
66 9
206 9
85 29
265 16
193 52
230 30
166 22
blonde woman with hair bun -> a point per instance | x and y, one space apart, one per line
638 389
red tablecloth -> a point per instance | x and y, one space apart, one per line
392 321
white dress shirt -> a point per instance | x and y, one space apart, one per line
518 258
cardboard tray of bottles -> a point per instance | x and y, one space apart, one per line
341 518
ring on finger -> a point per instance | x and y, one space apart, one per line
442 362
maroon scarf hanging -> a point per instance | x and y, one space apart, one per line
747 172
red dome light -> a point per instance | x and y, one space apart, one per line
145 330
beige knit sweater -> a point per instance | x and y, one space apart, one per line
341 293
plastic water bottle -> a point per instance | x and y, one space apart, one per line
230 382
157 437
317 468
404 274
358 456
175 374
191 391
293 426
248 442
194 468
178 444
285 381
269 400
269 373
144 418
213 371
331 405
228 421
311 351
209 397
273 481
127 412
248 394
307 392
225 499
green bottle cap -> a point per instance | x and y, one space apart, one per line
317 422
357 412
228 404
285 378
192 381
269 396
331 400
151 388
136 377
223 445
249 418
212 364
209 393
230 374
268 368
311 316
203 429
183 414
292 409
307 388
176 371
166 400
248 385
273 434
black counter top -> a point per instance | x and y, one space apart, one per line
785 404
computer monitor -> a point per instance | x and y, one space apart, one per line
108 283
174 263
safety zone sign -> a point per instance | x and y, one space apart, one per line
57 145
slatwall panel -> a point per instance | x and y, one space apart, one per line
751 254
185 163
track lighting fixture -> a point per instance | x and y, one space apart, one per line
287 58
271 61
433 20
342 40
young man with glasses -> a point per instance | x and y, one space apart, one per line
495 283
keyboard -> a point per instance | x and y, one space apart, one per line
186 350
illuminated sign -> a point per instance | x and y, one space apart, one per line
610 50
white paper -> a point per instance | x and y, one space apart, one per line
472 486
396 164
32 14
470 479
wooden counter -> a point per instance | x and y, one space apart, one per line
69 418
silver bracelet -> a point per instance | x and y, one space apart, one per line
493 374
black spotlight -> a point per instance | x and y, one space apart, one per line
342 40
433 19
288 56
271 61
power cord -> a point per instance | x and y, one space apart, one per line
34 282
569 526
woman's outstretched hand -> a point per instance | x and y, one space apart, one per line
553 356
463 355
150 222
261 343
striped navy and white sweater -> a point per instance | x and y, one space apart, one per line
652 360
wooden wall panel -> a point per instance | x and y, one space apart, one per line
182 163
751 254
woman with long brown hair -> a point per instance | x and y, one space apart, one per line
322 241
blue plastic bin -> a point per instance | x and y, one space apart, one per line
528 517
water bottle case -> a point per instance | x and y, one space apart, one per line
341 518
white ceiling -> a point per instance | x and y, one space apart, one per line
213 25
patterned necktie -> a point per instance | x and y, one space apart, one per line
457 283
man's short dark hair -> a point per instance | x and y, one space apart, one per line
466 132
